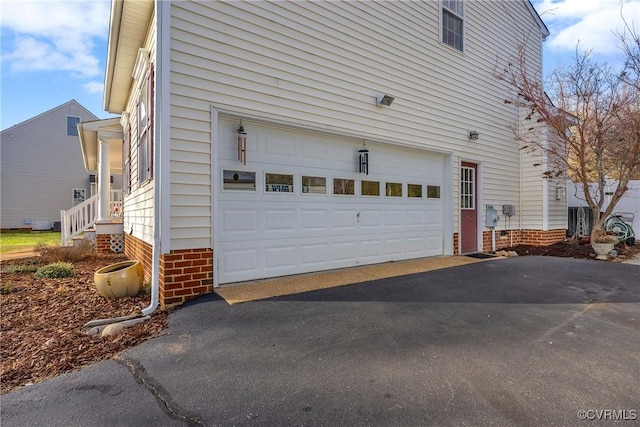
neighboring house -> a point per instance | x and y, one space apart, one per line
264 139
42 168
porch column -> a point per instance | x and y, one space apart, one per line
104 179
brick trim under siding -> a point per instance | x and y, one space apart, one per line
103 243
542 238
516 237
137 249
184 274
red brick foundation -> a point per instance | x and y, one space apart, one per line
542 238
137 249
515 237
184 274
103 243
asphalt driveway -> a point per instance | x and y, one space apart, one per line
523 341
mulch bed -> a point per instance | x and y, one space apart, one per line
573 249
42 319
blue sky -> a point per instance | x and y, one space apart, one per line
55 50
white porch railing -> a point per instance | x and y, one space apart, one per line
82 217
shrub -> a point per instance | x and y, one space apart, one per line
28 267
7 288
55 271
56 253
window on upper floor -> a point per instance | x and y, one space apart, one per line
72 129
453 23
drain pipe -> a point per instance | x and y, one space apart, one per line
160 182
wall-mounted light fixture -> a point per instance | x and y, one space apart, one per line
242 143
473 135
384 100
363 159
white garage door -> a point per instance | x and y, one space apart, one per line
300 204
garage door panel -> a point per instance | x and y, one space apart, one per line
279 220
279 256
416 217
415 245
343 219
394 247
243 221
394 218
314 219
343 251
314 254
370 218
371 249
243 261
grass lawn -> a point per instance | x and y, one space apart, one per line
23 241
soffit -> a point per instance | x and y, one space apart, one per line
130 22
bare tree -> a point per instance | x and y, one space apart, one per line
591 116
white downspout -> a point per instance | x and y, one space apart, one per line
160 182
161 141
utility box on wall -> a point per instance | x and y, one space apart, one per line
41 225
509 210
492 218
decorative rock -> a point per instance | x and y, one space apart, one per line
112 329
502 253
513 254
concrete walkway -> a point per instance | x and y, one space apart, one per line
526 341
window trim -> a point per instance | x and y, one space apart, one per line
126 161
455 14
145 136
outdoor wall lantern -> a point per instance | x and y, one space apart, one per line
474 135
242 143
363 159
384 100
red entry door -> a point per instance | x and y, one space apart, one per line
468 208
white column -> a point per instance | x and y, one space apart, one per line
104 180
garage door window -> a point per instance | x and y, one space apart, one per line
343 186
433 191
414 190
278 183
370 188
394 189
239 180
314 185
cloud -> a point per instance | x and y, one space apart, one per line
590 22
54 35
94 87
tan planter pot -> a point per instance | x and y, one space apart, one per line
123 279
602 250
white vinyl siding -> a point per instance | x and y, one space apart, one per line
323 63
138 204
